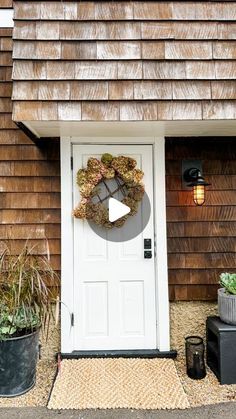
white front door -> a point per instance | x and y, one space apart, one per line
114 285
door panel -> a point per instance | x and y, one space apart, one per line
114 286
96 308
132 310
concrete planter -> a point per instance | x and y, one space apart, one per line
227 307
18 360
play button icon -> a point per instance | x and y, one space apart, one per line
132 226
117 209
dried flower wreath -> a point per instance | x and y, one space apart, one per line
128 178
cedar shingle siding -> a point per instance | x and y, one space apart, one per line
201 240
5 4
124 61
29 176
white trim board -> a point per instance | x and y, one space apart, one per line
162 292
132 128
6 18
163 326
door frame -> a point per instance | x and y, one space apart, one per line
67 259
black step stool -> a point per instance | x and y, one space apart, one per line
221 349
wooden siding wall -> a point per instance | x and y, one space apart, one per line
29 176
124 60
5 4
201 240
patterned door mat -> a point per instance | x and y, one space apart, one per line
111 383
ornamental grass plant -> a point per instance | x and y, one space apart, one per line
28 292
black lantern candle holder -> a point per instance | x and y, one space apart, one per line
194 349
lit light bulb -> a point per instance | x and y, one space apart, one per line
199 194
193 178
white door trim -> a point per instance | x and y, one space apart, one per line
67 292
162 293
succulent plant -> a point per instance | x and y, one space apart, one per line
228 281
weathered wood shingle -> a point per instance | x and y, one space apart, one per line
201 241
5 4
29 174
174 54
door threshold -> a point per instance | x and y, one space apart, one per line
140 353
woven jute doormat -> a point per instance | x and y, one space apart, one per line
112 383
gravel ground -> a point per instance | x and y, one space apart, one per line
38 396
200 393
226 411
207 391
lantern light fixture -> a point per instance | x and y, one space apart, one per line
193 178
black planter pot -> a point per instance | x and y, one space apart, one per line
18 360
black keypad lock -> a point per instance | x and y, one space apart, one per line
147 243
147 254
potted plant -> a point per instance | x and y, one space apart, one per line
26 297
227 298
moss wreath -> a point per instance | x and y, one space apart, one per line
121 168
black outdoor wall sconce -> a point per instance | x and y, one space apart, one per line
192 177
